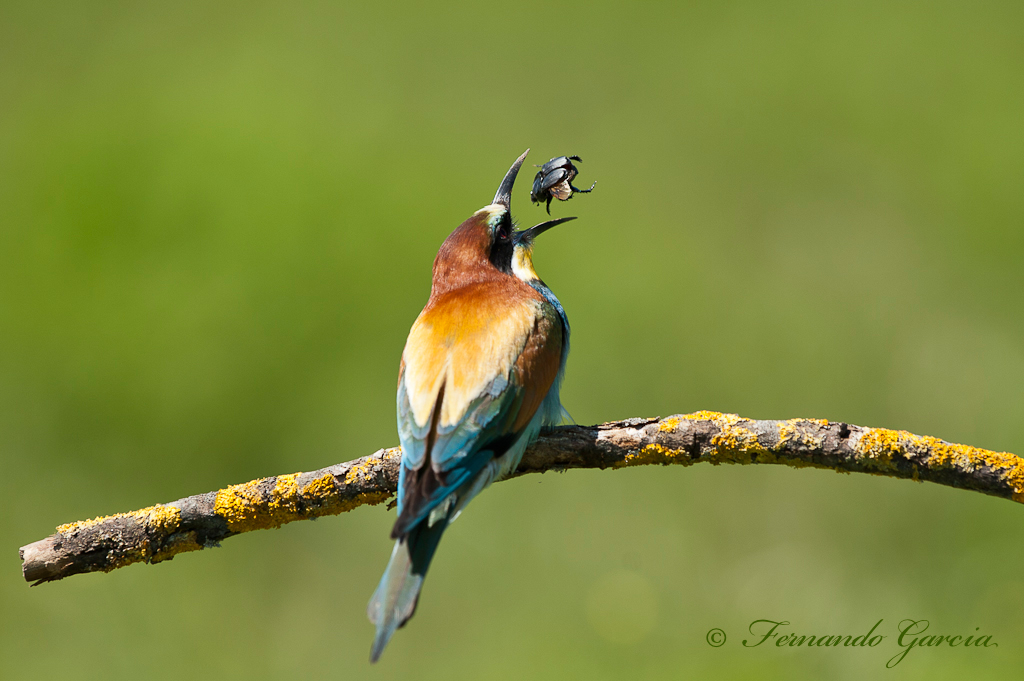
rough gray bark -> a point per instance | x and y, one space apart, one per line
158 533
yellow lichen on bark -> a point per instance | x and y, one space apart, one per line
704 416
943 454
363 467
160 518
736 442
786 432
359 470
175 544
244 508
239 505
363 499
880 444
159 523
322 493
320 490
669 425
655 454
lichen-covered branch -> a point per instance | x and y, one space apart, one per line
160 532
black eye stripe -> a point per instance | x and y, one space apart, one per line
502 248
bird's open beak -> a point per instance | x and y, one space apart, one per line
504 194
528 235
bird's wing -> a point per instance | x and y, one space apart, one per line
539 364
471 380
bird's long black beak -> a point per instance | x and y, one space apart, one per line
528 235
504 194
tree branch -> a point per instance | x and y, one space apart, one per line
160 532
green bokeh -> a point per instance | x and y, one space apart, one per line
217 224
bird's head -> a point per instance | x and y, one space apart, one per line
488 239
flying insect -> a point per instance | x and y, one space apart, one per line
554 181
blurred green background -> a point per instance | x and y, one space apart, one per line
217 222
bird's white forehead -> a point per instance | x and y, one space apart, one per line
493 213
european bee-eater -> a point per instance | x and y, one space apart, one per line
479 376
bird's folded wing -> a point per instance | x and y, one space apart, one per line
466 391
466 344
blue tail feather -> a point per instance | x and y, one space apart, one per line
395 599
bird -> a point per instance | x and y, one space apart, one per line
479 377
